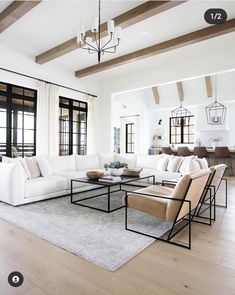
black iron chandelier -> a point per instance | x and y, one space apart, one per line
179 114
215 112
93 43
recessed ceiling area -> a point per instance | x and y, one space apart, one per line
195 93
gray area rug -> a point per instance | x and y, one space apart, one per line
96 236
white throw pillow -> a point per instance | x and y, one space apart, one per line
129 159
185 164
62 163
18 160
87 162
162 163
105 159
203 163
194 165
174 163
147 161
44 165
33 167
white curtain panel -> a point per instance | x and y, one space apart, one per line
90 126
47 119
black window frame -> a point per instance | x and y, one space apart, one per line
184 123
11 125
73 105
132 142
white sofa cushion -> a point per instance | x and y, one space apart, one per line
44 165
105 159
194 165
147 161
166 175
33 167
129 159
87 162
18 160
35 187
187 165
71 175
162 162
160 175
62 163
202 162
174 163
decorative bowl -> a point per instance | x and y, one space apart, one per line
116 171
94 174
135 172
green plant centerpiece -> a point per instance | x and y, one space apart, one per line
116 168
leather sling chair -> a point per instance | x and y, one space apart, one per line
177 205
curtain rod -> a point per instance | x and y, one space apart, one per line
48 82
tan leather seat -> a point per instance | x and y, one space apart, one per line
190 187
149 204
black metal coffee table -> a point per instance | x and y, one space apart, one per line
106 188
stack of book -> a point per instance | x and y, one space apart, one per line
110 178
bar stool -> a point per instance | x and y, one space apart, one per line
223 153
167 150
183 151
201 152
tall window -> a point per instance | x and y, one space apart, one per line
73 127
130 144
17 121
182 129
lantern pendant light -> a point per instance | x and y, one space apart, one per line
215 112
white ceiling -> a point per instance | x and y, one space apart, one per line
53 22
194 93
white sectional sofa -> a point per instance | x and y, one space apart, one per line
42 177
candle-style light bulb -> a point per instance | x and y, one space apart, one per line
118 31
95 24
110 26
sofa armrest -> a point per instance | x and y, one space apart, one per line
12 183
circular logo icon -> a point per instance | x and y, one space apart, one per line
15 279
214 16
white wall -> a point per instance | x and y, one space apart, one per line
25 64
132 106
208 57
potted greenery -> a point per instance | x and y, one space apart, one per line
116 168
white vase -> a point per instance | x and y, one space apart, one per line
216 143
116 172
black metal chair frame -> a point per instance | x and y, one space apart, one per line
189 218
212 202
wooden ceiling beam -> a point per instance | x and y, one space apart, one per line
180 90
156 95
208 86
188 39
15 11
124 20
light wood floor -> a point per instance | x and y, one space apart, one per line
209 268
